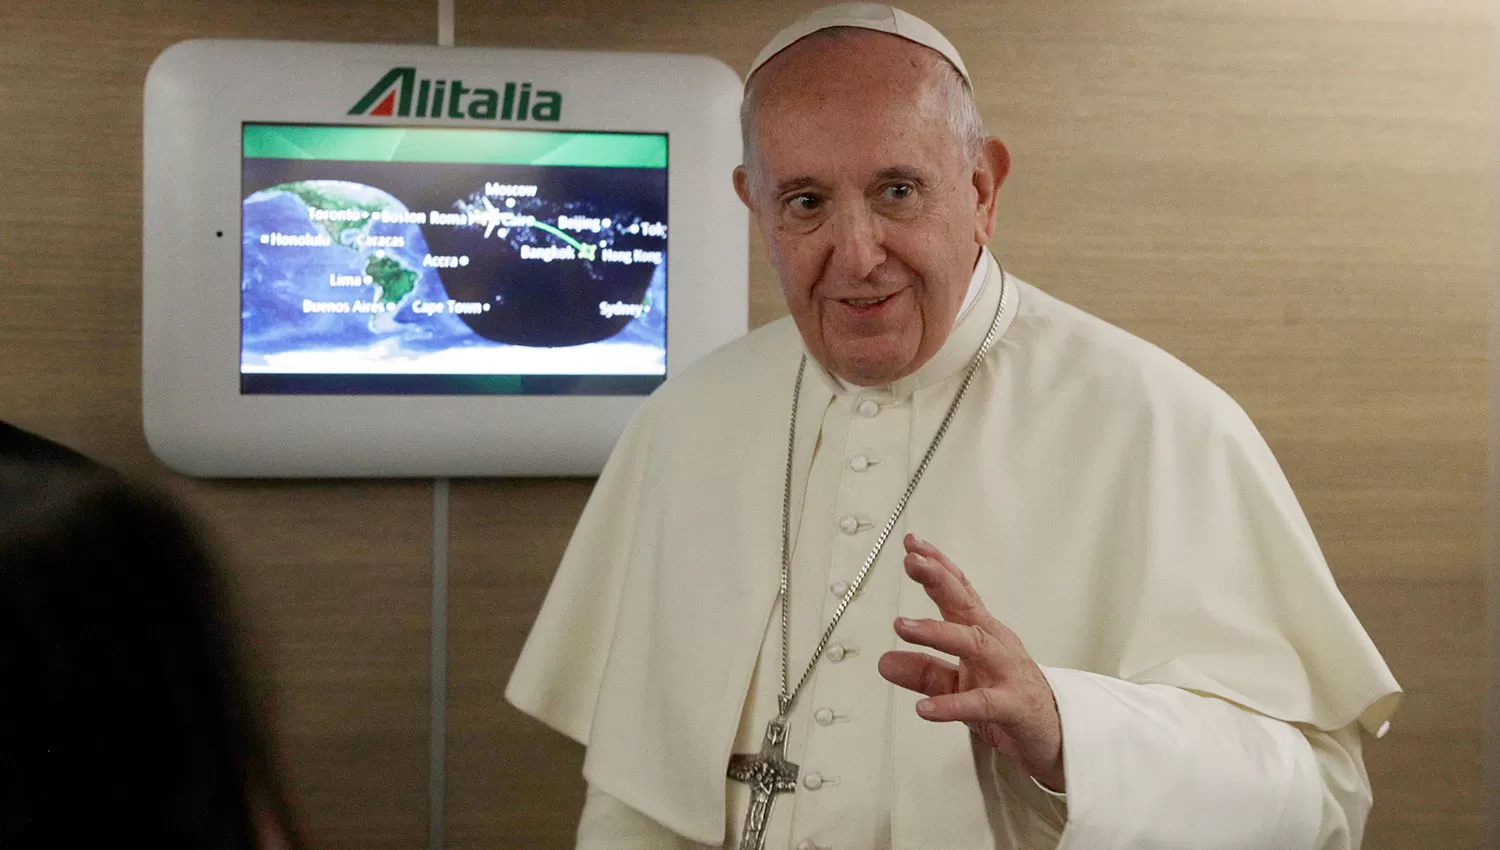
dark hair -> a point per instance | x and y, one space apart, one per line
124 713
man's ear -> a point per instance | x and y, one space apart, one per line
742 186
989 173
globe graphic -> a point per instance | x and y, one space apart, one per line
356 263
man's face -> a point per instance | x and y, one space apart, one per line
872 210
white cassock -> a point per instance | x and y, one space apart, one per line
1117 510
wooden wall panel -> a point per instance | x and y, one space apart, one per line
332 577
1426 772
1294 198
334 581
511 781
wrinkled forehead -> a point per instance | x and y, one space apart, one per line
846 71
848 90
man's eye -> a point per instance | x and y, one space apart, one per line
803 203
899 191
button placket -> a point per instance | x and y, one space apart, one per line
865 493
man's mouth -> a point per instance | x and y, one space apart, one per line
867 302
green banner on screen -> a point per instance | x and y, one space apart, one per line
441 144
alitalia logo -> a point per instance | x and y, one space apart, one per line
400 93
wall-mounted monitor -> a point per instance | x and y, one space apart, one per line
398 261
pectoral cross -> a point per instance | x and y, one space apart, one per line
767 774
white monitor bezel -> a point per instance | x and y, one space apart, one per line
199 94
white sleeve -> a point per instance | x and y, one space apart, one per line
1153 766
1346 786
608 824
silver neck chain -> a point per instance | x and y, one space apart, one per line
787 697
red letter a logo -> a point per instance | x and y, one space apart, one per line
387 106
396 87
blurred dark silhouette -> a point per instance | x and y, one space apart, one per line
125 715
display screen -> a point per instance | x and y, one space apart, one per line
438 261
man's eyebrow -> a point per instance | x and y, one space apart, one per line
902 172
794 184
894 172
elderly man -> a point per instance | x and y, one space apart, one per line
1125 634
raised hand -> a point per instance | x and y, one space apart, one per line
995 688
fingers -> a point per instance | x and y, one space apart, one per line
944 582
919 672
969 643
980 705
917 546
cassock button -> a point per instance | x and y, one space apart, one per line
812 781
859 463
836 653
823 716
849 524
839 588
869 408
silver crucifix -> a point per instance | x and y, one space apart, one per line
767 774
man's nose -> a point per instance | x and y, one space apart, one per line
858 241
